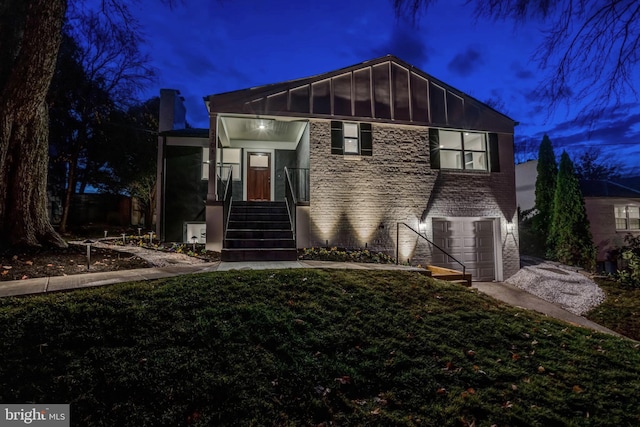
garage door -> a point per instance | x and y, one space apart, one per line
468 240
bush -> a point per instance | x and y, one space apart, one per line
630 274
345 255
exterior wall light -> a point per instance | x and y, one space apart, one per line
509 227
422 227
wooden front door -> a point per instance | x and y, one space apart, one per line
259 176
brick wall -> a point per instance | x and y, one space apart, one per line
358 201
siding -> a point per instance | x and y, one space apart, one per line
358 202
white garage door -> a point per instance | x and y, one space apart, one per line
468 240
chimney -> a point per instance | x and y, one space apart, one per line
173 113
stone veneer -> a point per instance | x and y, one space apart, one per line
357 201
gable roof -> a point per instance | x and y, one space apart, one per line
385 89
602 188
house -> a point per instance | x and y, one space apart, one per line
369 156
526 175
612 209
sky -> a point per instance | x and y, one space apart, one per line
203 47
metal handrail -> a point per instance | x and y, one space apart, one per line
290 199
228 199
299 178
464 268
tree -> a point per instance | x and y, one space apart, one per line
593 165
590 49
570 240
131 155
547 172
30 35
108 68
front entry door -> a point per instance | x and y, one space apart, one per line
259 176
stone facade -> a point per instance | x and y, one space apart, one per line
358 201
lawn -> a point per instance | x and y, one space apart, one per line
309 347
621 309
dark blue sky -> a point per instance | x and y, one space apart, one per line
203 47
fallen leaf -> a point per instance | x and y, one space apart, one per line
515 356
7 267
25 277
441 391
375 411
15 257
541 369
5 272
507 404
49 265
344 379
471 390
577 389
29 262
514 387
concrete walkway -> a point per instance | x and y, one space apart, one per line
501 291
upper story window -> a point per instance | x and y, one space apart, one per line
627 217
463 150
351 138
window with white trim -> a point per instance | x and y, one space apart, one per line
230 160
627 217
348 138
463 150
351 139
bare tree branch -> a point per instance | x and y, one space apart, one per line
590 52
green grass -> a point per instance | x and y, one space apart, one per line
621 309
307 347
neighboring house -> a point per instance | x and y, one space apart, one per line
354 153
612 209
526 175
614 212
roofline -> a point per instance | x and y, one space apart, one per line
371 62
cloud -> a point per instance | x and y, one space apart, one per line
520 72
407 43
466 63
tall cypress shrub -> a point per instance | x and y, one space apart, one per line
570 240
545 188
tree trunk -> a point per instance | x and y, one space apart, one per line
30 34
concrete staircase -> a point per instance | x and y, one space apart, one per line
259 231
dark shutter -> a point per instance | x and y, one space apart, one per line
336 138
434 148
366 140
494 152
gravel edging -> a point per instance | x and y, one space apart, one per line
561 285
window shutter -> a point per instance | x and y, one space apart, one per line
494 152
366 139
434 148
336 137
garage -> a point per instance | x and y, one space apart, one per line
469 240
